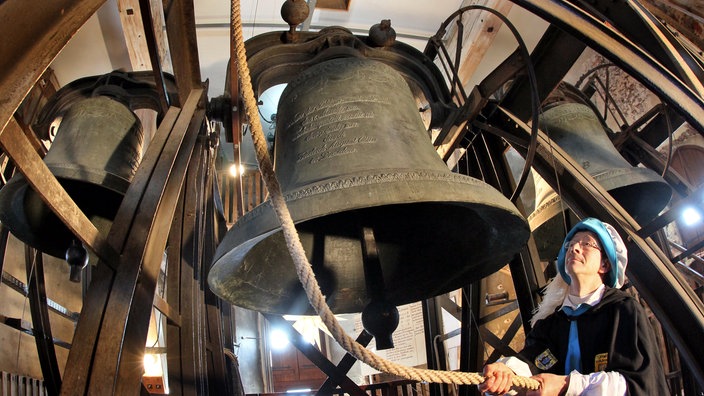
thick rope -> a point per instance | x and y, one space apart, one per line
303 267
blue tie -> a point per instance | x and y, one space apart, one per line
573 359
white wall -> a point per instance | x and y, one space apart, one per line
97 48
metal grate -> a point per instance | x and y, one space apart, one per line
20 385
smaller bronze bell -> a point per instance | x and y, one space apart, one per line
95 154
576 128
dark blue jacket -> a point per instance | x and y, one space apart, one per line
614 335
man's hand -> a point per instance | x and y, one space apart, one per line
550 384
498 379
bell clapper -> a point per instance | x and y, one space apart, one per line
77 259
380 317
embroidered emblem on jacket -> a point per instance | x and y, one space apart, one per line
545 360
600 361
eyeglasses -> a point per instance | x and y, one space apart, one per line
570 244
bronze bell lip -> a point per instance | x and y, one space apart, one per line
449 195
639 181
32 222
352 153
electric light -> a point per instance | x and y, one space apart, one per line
278 339
691 216
152 365
234 172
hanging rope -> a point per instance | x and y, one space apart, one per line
303 267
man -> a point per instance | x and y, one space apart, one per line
588 337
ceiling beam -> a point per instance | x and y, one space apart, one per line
133 29
135 37
482 30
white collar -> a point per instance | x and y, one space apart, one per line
592 298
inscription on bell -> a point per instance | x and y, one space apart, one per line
331 128
566 116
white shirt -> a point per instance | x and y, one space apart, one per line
592 298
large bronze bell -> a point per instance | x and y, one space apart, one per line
95 154
576 128
357 170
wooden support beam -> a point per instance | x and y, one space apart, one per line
115 318
133 29
172 315
123 333
687 16
481 29
30 44
475 32
181 33
135 36
214 329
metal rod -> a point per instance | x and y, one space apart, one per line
40 320
345 365
19 286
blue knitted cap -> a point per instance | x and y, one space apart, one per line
613 248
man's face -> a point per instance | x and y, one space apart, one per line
583 256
